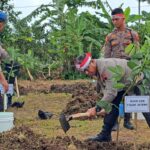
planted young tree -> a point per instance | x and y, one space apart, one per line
140 74
26 61
11 67
140 66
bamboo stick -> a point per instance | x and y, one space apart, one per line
17 88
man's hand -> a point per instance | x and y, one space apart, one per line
4 82
5 86
102 112
92 112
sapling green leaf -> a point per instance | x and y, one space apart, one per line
104 104
132 64
119 85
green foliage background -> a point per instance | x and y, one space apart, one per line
47 40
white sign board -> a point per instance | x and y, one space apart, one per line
137 104
10 89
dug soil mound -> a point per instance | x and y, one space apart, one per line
23 138
84 95
42 86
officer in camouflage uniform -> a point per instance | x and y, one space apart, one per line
120 38
115 45
116 42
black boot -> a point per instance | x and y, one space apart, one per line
127 124
103 136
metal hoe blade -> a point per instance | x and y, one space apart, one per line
64 123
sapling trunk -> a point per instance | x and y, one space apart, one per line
17 88
30 75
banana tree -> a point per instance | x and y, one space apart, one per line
80 33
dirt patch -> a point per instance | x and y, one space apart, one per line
43 86
84 95
23 138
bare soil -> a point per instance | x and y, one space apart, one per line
23 138
31 133
83 94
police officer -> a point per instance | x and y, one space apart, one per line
99 68
120 37
115 45
3 53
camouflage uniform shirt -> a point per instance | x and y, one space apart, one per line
117 41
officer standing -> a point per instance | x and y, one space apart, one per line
115 45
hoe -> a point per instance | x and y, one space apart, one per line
64 120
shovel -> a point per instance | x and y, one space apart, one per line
64 121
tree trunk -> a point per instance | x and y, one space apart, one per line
30 75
